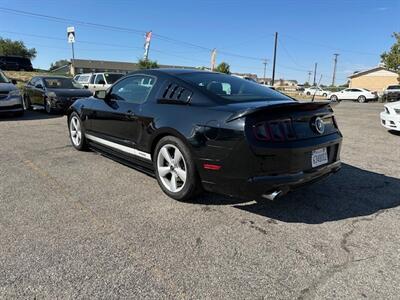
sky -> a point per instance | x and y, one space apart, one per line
185 31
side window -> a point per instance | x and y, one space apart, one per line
356 90
92 79
134 89
99 77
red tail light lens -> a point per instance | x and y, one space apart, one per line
277 131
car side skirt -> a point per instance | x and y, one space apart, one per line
119 147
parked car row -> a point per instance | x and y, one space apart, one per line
356 94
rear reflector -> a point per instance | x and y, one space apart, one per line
211 167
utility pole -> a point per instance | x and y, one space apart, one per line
309 76
334 68
265 68
315 73
273 66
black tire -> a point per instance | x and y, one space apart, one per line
47 106
334 98
82 145
308 94
362 99
324 95
192 186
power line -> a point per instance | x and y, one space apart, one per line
119 29
331 46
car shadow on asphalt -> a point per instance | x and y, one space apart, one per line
394 132
29 116
352 192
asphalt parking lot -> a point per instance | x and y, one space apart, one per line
79 225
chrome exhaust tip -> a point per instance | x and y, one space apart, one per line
274 195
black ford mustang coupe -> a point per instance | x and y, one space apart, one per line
198 130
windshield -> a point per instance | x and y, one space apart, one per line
3 78
61 83
111 78
393 87
232 88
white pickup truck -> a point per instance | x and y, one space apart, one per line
97 81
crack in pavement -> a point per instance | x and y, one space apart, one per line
310 291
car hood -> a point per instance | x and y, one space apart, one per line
393 104
7 87
71 92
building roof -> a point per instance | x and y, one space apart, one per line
113 65
116 65
370 71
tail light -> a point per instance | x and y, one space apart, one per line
276 131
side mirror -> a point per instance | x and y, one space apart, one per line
39 86
102 82
85 87
100 95
13 81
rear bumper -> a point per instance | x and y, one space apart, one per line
287 182
246 175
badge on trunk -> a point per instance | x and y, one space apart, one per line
318 125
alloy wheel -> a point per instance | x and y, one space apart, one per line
75 131
171 167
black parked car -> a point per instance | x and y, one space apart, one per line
200 130
54 93
15 63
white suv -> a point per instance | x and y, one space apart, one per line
97 81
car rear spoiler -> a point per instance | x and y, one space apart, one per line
289 106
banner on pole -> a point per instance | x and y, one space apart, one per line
147 39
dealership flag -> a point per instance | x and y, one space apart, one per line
147 44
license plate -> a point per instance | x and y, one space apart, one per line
319 157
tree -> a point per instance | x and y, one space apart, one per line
58 64
391 59
147 64
18 48
306 84
223 68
